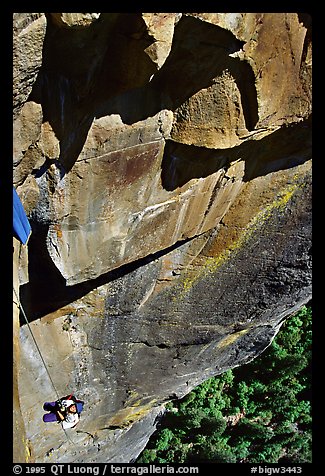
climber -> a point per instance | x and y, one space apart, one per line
66 410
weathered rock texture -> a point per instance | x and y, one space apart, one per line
164 160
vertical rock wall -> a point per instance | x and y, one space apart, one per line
165 164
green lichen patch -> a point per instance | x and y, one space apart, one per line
211 264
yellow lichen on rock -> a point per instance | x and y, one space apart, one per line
230 339
210 264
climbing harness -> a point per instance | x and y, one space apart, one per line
43 361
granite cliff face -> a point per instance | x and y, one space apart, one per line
164 161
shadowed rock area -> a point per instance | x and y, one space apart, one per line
164 163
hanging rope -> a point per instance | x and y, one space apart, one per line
37 347
40 353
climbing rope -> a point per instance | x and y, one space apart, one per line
40 353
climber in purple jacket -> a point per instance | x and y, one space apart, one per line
65 410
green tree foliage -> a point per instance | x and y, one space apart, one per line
257 413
